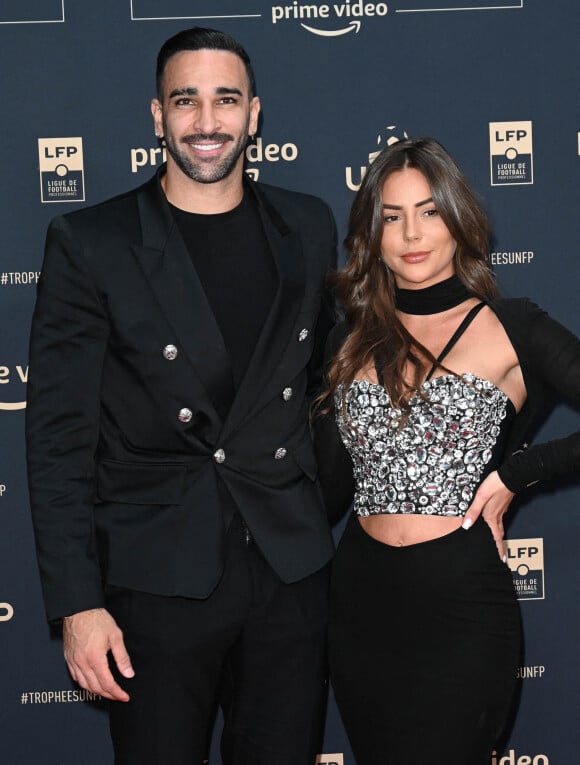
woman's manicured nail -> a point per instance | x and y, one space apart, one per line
467 524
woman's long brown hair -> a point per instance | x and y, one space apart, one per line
366 288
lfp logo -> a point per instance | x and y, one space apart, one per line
525 558
61 169
511 153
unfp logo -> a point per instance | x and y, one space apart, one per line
390 135
511 153
525 558
61 169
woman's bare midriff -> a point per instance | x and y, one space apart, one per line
403 530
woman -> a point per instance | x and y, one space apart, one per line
435 383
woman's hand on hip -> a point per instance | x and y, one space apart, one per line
491 500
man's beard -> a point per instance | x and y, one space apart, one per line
208 170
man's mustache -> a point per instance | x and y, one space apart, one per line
212 137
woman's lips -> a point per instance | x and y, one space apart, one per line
415 257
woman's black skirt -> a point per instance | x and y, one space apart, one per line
424 647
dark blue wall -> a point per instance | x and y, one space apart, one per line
497 83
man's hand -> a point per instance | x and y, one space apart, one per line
88 637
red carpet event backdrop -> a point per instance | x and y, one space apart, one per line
497 82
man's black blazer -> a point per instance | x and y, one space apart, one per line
126 448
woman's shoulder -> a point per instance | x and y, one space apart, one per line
536 334
515 307
517 314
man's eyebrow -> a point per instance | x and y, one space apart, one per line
417 204
184 92
221 91
225 91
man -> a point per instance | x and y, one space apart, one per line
180 532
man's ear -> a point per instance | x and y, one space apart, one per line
157 112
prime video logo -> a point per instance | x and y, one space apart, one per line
511 758
313 18
256 152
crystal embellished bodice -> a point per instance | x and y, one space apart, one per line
431 462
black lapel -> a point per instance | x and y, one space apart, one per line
167 266
286 249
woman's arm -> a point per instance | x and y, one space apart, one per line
553 353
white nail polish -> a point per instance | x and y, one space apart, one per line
504 559
467 524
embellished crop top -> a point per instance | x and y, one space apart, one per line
432 464
549 356
430 459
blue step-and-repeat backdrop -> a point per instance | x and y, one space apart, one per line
497 82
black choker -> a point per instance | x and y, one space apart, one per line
434 299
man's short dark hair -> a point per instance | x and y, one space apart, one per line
201 38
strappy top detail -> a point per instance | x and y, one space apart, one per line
467 319
430 458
